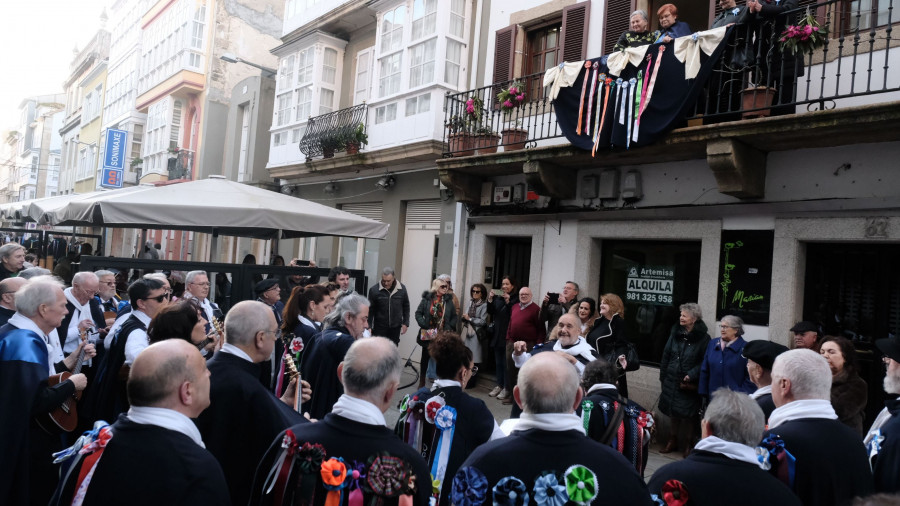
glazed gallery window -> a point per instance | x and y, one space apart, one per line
424 17
421 69
389 75
392 29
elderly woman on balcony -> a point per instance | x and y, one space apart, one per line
639 35
669 26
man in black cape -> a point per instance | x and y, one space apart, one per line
883 440
154 454
244 416
548 453
760 355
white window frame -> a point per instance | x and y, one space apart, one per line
421 70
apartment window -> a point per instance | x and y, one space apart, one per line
877 11
297 134
363 76
385 113
198 27
457 17
34 166
137 137
305 66
389 77
392 29
418 105
326 101
304 103
279 139
453 62
424 16
284 109
421 70
329 65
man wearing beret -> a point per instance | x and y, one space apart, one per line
883 439
269 293
806 335
760 356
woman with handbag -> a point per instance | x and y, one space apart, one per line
473 322
679 373
435 313
608 337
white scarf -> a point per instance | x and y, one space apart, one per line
444 383
761 391
806 408
880 420
237 352
54 350
556 422
602 386
734 451
358 410
84 313
167 419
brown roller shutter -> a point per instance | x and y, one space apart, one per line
615 22
505 54
574 33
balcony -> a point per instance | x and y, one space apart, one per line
181 163
341 130
846 92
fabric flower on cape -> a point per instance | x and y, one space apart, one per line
470 487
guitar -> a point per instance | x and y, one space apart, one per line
64 418
293 373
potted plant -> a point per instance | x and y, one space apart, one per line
756 101
804 37
510 99
459 139
486 140
331 144
356 139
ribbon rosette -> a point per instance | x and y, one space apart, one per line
581 485
781 459
356 476
297 344
432 406
548 491
334 477
309 460
469 487
88 442
387 476
445 421
510 491
674 493
445 418
874 445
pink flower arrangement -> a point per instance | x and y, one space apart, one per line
804 37
511 97
474 106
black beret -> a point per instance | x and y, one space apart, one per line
264 285
890 347
805 327
763 352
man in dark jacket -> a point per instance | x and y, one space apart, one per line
883 439
12 259
389 307
760 355
723 468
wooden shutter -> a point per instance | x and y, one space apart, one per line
574 33
615 22
505 54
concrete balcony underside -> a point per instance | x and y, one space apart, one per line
410 156
736 151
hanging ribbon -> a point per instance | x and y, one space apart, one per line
609 85
639 423
581 485
586 407
281 468
309 462
86 443
548 491
334 477
356 476
621 97
445 421
637 105
601 78
400 428
587 73
652 84
95 447
786 463
632 85
590 98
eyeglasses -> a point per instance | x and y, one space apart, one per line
726 327
201 284
158 298
443 287
474 369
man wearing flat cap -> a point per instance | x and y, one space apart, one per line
760 356
807 335
269 293
883 439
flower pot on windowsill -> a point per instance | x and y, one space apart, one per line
759 97
352 148
486 143
327 152
461 144
514 138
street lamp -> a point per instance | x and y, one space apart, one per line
231 58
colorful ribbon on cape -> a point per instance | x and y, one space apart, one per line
548 491
637 105
587 73
786 463
445 421
590 98
581 485
586 407
95 448
334 478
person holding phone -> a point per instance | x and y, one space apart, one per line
555 304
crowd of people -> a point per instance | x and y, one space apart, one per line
156 398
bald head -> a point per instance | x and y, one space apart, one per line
170 374
525 295
371 370
8 289
547 384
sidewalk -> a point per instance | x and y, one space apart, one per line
501 412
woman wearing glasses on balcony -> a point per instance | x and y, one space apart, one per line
435 313
474 320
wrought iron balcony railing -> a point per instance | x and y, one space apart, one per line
328 133
181 165
753 77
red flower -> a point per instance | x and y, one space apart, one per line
674 493
297 345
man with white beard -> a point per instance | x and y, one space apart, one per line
883 439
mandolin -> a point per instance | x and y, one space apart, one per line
293 373
220 331
65 417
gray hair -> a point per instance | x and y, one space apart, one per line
640 12
39 290
82 276
102 273
693 309
189 277
10 248
244 320
370 366
387 271
736 417
33 272
348 305
547 384
734 322
598 371
808 372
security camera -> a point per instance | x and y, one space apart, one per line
385 183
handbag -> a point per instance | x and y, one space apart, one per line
633 361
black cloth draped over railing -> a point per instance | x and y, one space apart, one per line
672 99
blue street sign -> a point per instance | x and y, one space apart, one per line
116 147
112 178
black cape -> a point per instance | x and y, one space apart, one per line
352 441
527 454
149 465
886 465
713 479
241 421
603 410
319 368
832 467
